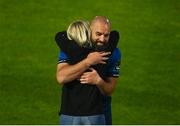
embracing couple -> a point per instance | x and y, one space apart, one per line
88 70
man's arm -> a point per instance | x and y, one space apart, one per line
106 87
66 72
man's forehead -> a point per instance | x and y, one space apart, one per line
100 27
100 23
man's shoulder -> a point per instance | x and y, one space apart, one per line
116 56
63 57
116 53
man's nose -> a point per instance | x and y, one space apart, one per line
102 38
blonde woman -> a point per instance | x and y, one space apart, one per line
79 31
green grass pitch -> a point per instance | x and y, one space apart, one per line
148 90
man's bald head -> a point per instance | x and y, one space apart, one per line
100 30
100 19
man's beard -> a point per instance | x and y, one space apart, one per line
101 48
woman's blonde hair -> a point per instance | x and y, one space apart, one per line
79 31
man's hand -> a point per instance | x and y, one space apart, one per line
91 77
97 58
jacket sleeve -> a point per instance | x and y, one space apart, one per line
113 40
61 39
70 47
